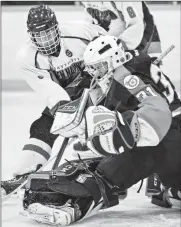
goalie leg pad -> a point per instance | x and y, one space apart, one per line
80 183
57 190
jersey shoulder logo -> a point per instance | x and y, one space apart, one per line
69 53
131 82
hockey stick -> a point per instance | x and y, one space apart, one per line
60 153
168 50
5 198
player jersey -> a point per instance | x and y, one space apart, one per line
48 74
130 21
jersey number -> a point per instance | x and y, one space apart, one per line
157 77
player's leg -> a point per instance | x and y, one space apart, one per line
38 148
170 173
153 181
35 152
164 160
153 185
170 176
170 194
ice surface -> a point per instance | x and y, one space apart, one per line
20 109
135 211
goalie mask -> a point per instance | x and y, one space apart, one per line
43 29
103 55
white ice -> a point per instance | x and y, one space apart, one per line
20 109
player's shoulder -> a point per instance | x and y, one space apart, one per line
26 53
81 29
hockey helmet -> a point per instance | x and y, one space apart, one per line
43 29
103 55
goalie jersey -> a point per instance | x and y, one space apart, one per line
49 75
137 94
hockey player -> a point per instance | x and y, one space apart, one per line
130 21
127 122
52 59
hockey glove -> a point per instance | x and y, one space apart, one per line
107 131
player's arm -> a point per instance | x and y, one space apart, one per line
39 79
88 17
133 16
152 119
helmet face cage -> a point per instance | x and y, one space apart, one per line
97 70
47 41
104 49
43 29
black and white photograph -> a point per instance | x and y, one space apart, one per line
91 113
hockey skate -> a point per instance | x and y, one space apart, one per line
10 185
168 198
